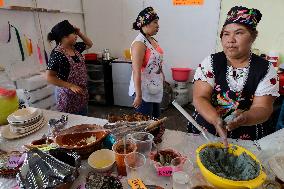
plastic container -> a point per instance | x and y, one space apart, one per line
8 103
135 165
273 57
223 183
143 141
91 56
118 149
181 74
181 95
106 54
127 54
168 156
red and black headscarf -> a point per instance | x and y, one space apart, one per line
145 17
243 15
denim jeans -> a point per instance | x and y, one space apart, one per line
151 109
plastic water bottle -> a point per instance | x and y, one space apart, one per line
106 54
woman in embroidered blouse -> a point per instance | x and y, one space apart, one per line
234 90
146 84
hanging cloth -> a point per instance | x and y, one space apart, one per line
24 44
20 43
30 47
45 56
39 55
9 37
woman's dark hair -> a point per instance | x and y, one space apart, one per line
135 27
59 31
50 37
251 30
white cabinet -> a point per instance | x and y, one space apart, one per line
121 74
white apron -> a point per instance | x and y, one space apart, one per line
151 76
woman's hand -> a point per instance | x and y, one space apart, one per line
218 124
85 39
76 89
77 30
137 102
239 120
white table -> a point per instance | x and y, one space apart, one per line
185 143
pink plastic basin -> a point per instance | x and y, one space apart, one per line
180 74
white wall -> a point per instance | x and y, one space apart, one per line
270 28
28 23
187 33
109 23
10 53
48 20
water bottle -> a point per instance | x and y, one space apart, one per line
106 54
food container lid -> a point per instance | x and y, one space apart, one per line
7 93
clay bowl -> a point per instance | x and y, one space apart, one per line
83 143
80 128
154 157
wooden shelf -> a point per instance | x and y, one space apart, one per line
33 9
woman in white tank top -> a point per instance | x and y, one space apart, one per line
146 84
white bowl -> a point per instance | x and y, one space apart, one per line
102 160
25 113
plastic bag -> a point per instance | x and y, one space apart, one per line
48 170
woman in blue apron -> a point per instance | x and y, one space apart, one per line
146 84
234 90
66 68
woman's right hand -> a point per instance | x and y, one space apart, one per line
76 89
221 130
137 102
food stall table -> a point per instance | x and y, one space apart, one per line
184 143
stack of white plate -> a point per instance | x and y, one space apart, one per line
23 122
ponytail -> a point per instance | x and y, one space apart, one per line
50 37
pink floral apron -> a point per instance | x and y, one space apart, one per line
67 100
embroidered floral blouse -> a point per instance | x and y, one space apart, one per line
237 77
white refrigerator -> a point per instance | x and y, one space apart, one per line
121 74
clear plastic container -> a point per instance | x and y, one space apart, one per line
8 103
8 98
